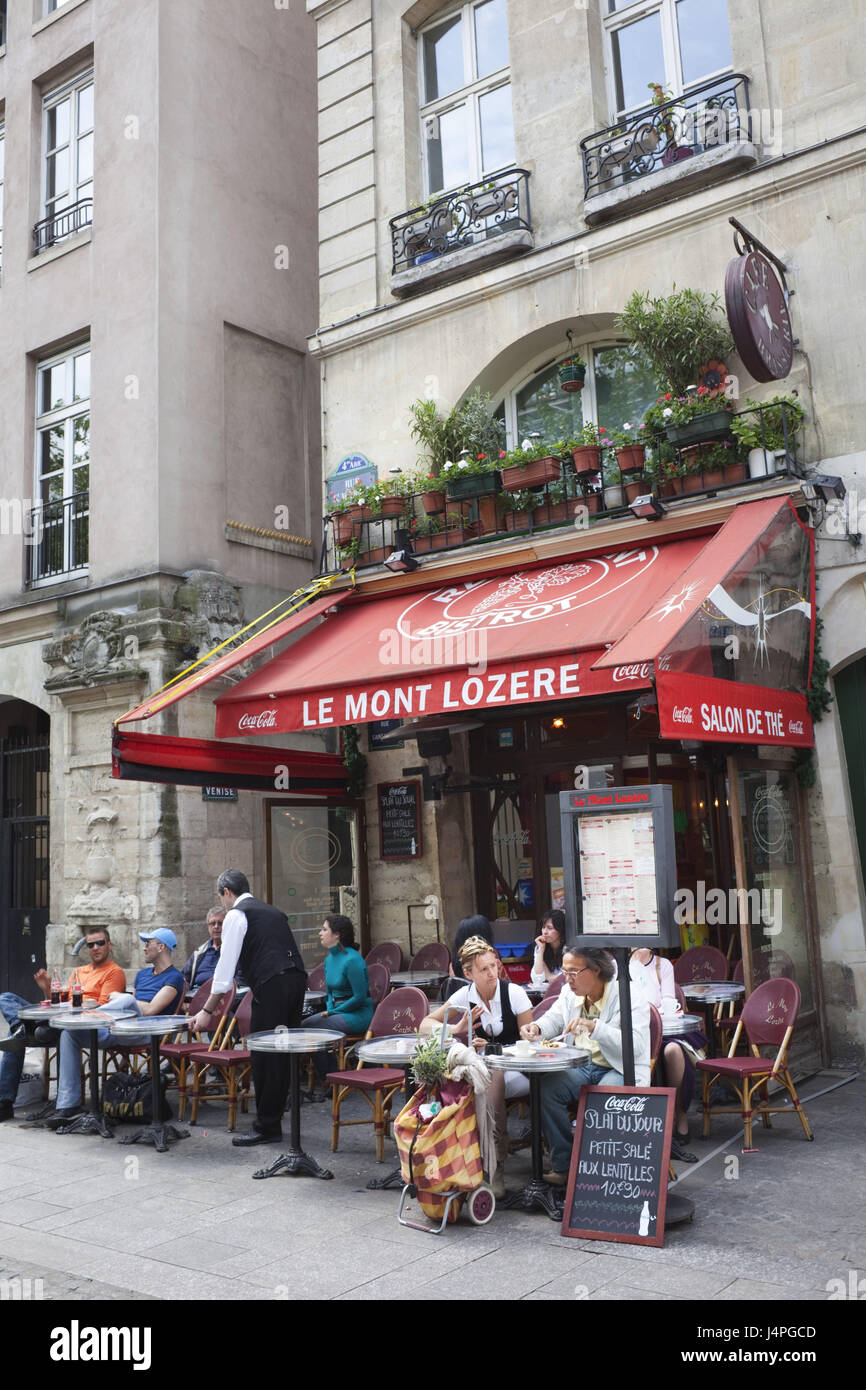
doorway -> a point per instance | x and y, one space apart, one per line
24 843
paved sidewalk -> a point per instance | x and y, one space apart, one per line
95 1220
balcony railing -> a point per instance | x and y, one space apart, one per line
676 473
705 119
57 538
62 224
453 222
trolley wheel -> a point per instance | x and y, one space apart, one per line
480 1205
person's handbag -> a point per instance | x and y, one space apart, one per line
129 1099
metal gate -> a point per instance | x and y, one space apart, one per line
24 880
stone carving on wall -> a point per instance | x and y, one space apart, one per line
102 649
97 810
215 606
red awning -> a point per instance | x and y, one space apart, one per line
530 636
275 632
199 762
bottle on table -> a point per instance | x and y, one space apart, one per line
76 993
56 987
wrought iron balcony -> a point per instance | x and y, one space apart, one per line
57 538
62 224
727 460
687 140
462 231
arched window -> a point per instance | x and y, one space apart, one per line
617 391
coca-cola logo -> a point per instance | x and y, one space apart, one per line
683 714
795 726
266 720
639 672
626 1103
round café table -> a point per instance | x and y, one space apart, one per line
421 979
296 1043
706 993
537 1193
155 1026
313 1000
87 1021
675 1025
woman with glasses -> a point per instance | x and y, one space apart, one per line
589 1009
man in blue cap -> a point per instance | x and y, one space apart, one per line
158 989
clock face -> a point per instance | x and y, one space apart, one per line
759 317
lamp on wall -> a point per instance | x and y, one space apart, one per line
402 559
648 508
824 486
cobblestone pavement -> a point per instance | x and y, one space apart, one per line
93 1220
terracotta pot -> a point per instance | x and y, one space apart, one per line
635 488
672 487
437 540
534 474
372 557
714 477
691 482
393 506
735 472
344 529
631 459
488 517
553 513
516 521
587 459
433 502
592 501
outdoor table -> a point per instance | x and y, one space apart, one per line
536 992
156 1026
296 1042
314 999
422 979
64 1016
675 1025
396 1051
537 1193
706 993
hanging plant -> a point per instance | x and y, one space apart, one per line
818 701
354 761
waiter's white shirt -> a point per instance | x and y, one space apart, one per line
234 931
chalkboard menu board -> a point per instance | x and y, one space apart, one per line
399 820
379 730
617 1185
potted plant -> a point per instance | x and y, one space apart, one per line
346 514
677 335
672 123
630 448
430 1061
532 465
387 499
766 430
586 446
636 485
697 416
612 483
572 374
469 426
517 509
468 477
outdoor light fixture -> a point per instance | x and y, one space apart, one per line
648 507
402 560
644 704
826 486
558 723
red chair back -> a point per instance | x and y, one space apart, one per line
243 1017
388 953
316 978
737 976
681 999
380 981
542 1006
656 1032
554 987
434 956
401 1011
199 999
699 964
769 964
770 1010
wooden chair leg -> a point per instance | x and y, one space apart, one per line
379 1126
233 1099
337 1094
807 1128
705 1103
746 1104
765 1101
196 1077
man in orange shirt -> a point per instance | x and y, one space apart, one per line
100 978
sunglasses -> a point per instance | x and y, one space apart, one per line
92 945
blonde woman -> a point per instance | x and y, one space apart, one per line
499 1010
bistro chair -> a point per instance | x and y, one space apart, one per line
768 1017
434 956
554 986
380 981
700 964
657 1038
388 953
177 1054
681 998
401 1011
232 1067
316 978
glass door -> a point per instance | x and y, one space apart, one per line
313 868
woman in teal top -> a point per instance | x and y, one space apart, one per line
350 1008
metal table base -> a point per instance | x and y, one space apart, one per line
294 1161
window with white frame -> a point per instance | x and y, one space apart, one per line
675 44
467 129
67 178
616 392
49 6
63 462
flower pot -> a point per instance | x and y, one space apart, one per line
764 462
714 477
592 501
392 506
433 502
344 529
613 496
437 540
714 425
372 557
672 487
691 482
631 459
735 472
424 256
587 459
636 487
674 155
534 474
474 485
516 521
488 517
572 378
552 513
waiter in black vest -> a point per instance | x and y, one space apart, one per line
258 941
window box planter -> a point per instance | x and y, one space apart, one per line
592 501
488 515
735 472
517 521
631 459
587 459
392 506
438 540
372 557
692 482
475 485
534 474
553 513
433 502
715 425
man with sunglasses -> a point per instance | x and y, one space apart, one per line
100 978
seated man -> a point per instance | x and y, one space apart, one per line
203 961
158 989
100 978
588 1008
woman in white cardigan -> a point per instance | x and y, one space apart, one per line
589 1008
